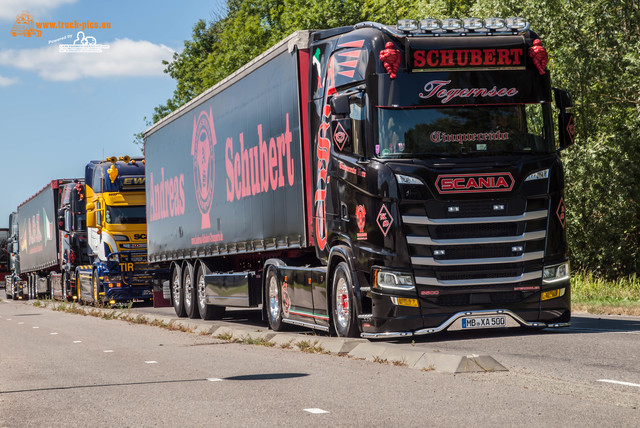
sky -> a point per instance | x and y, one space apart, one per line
61 109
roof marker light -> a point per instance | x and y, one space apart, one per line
451 24
494 23
407 25
429 24
472 23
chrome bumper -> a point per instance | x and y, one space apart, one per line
455 323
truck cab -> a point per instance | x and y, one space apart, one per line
116 233
438 169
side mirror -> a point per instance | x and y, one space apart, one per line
91 219
340 105
563 99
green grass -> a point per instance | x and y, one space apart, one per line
595 294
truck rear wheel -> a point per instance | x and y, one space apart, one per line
207 312
344 314
190 294
274 299
177 293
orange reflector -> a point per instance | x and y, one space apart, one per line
552 294
403 301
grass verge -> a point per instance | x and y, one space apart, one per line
596 295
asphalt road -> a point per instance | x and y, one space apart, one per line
59 369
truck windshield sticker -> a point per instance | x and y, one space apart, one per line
437 89
439 137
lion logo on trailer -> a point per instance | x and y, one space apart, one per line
204 165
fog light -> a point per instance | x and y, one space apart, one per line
516 23
112 302
553 294
403 301
472 23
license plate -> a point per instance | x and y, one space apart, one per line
485 322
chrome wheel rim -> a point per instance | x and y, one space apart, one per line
176 288
187 291
202 300
343 310
274 301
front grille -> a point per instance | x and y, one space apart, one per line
450 249
467 299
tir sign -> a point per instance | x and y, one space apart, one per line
425 59
474 183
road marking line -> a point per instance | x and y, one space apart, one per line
53 333
77 341
8 319
151 362
108 350
619 382
214 379
315 411
35 327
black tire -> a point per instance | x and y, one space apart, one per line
273 299
190 292
207 312
177 292
343 307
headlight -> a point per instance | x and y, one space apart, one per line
407 179
538 175
120 238
393 280
555 273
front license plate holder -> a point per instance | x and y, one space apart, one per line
491 321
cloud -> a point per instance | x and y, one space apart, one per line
10 8
124 58
7 81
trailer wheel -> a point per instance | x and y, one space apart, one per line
177 293
344 314
273 293
190 294
207 312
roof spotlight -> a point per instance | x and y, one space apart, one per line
516 23
494 23
451 24
472 23
407 25
429 24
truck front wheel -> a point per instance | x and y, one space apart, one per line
177 293
273 293
344 314
207 312
96 287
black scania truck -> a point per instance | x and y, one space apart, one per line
375 181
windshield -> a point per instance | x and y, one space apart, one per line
131 214
478 130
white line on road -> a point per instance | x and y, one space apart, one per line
8 319
52 334
316 411
77 341
108 350
35 327
619 382
214 379
151 362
